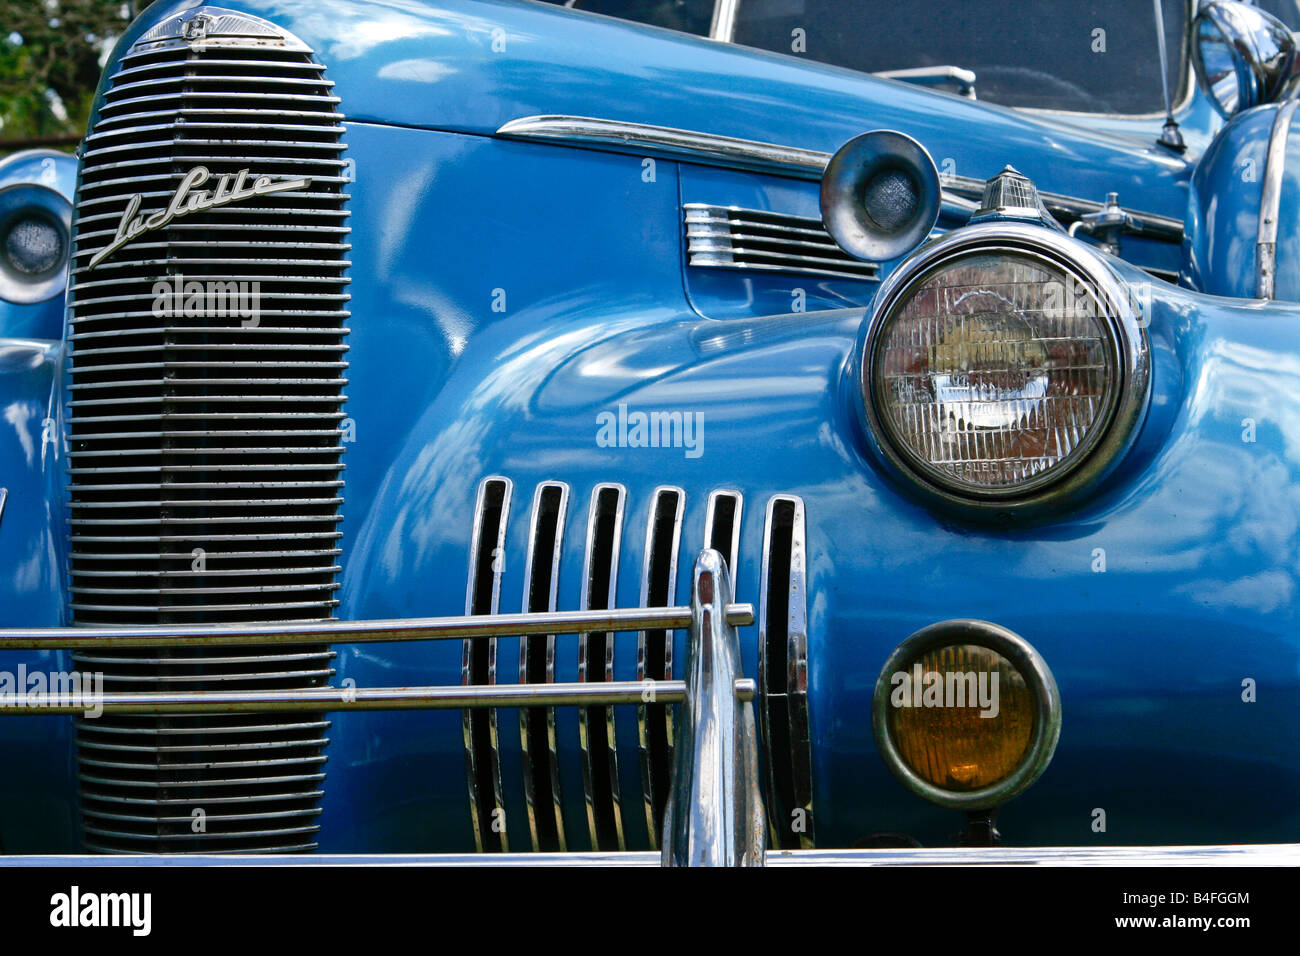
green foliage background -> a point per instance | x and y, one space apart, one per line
51 53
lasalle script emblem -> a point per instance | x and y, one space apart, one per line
189 198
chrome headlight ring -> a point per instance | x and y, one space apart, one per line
1024 659
32 213
1116 423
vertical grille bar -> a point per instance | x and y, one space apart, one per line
596 663
783 673
205 474
537 666
655 652
479 664
722 527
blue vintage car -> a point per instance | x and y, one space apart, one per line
724 429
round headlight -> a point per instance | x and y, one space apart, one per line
34 246
966 714
1000 360
35 223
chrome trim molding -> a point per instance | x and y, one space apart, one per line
479 664
1270 201
1110 439
1282 854
689 145
723 26
473 697
732 237
1071 208
217 25
654 660
1024 658
960 193
783 674
964 80
358 632
538 737
1258 854
599 743
715 814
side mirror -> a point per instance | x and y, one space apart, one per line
1243 56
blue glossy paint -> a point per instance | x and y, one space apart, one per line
37 805
585 257
473 66
1222 224
1221 244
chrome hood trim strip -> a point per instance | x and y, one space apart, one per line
1270 201
960 192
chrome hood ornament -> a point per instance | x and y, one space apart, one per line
188 199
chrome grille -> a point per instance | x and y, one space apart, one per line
729 237
205 472
783 673
600 526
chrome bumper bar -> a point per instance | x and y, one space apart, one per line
1281 854
358 632
715 814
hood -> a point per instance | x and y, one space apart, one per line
475 65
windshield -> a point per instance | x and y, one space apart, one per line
1096 56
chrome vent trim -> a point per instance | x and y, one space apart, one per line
599 531
731 237
187 433
599 742
479 664
722 525
537 729
783 673
655 651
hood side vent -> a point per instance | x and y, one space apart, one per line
537 666
479 664
596 663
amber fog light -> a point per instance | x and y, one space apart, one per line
966 714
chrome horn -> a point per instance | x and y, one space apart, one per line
880 195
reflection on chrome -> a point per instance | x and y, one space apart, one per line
967 403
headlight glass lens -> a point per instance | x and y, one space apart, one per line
995 371
33 246
962 717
